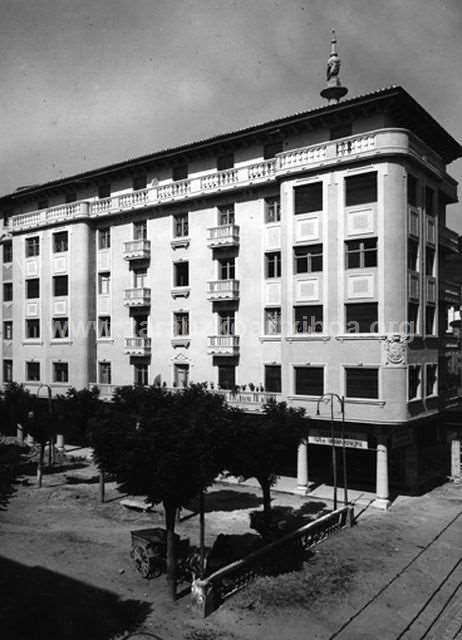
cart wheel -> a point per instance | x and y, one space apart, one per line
142 562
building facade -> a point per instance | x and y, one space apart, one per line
305 256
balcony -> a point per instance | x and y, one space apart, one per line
223 345
137 250
138 346
226 235
371 145
218 290
414 285
140 297
448 239
450 292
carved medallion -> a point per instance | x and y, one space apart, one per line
396 348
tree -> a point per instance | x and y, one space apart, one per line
257 444
74 413
169 447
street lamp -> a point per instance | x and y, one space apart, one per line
341 401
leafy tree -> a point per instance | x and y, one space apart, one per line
17 402
257 444
74 413
169 447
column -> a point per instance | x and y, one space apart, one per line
455 459
382 500
302 468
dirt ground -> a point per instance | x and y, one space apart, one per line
65 571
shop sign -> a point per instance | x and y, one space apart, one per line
353 439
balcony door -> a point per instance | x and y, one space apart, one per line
227 376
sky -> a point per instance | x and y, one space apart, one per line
85 83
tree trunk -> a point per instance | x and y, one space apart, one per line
40 464
170 511
202 533
266 489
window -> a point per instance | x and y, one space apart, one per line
308 319
429 201
8 251
273 378
140 230
272 148
42 203
140 374
273 264
8 371
59 328
226 214
139 182
181 375
429 320
32 371
412 255
33 288
32 247
413 317
429 261
272 209
362 382
60 372
361 253
141 326
180 225
104 190
341 131
60 286
226 377
60 242
362 317
181 274
104 372
411 190
7 292
71 196
104 238
414 379
225 162
361 189
308 259
104 283
226 269
8 330
180 172
309 381
104 327
272 321
226 323
430 381
32 328
181 324
308 198
139 278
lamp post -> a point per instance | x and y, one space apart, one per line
341 401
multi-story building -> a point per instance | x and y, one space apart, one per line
299 257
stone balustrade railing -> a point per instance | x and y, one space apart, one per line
363 145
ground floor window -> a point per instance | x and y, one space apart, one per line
104 373
362 382
226 376
141 374
8 371
60 372
181 375
32 371
273 378
309 381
